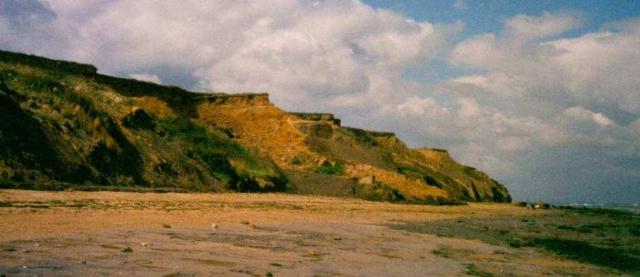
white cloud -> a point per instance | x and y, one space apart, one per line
602 68
146 77
307 55
596 70
578 93
545 25
477 134
579 113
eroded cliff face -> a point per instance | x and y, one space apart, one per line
464 181
322 157
101 130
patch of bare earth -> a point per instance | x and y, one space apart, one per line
93 233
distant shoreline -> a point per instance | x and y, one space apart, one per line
634 207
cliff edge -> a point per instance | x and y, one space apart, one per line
64 125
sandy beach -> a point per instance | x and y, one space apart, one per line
151 234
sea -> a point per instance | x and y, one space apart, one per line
633 207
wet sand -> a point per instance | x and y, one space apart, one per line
172 234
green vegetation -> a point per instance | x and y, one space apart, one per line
472 270
296 161
62 126
380 192
227 160
587 253
442 252
40 111
68 67
601 237
336 169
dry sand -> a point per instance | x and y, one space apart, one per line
90 233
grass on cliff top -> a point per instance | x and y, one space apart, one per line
605 238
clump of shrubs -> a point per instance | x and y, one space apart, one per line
329 169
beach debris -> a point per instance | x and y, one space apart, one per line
535 205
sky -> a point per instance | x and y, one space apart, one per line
542 95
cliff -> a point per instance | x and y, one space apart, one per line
462 181
64 125
318 117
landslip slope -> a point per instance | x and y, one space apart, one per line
64 125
